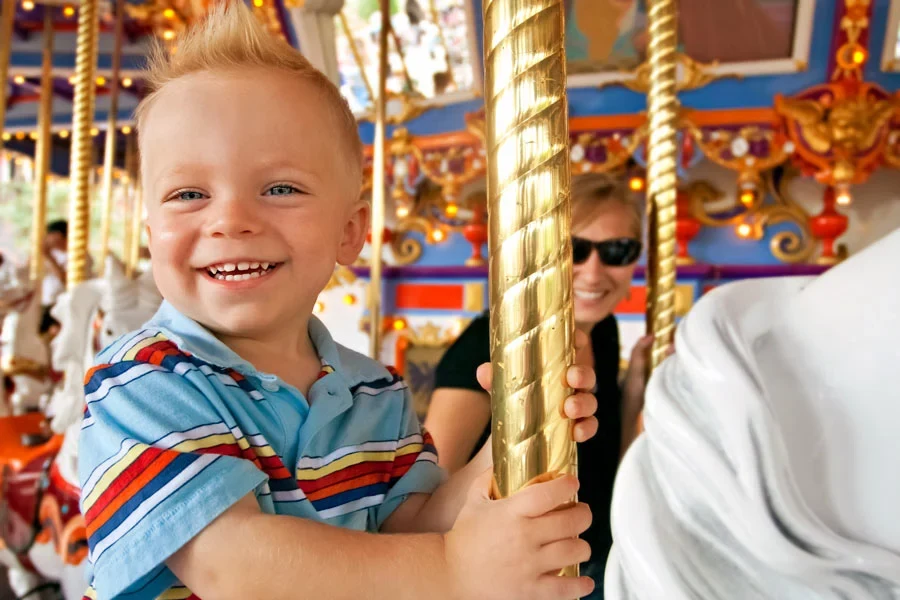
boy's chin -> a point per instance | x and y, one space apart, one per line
249 320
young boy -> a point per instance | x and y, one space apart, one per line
208 433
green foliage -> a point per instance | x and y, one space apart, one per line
367 8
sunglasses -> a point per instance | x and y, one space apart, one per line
612 253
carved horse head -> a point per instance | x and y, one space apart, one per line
768 466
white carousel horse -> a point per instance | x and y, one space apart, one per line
19 338
24 356
119 305
770 463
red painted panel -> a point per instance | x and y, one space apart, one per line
635 304
429 296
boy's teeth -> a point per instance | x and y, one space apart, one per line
213 270
243 266
228 267
254 275
229 278
254 265
264 265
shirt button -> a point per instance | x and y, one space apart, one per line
270 386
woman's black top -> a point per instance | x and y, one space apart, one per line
598 458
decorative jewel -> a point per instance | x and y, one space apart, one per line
577 153
739 147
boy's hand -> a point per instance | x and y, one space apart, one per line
580 406
514 548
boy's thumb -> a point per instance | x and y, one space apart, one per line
483 487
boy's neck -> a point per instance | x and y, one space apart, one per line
287 353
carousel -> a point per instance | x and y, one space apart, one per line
763 137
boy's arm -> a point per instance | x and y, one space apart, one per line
498 550
248 554
438 511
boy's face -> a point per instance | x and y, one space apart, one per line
249 200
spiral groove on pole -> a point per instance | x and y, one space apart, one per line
662 174
529 221
82 153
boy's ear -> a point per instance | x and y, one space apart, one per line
354 235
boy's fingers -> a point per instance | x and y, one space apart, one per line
581 406
484 375
554 587
581 377
581 339
540 498
585 429
481 485
562 553
562 524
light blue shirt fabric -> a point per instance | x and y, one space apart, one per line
178 428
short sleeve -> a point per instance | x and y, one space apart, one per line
155 470
461 360
415 469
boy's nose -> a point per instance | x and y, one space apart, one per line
234 218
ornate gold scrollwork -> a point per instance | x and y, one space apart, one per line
610 151
692 75
408 249
341 276
750 150
787 246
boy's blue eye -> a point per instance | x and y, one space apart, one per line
282 190
190 195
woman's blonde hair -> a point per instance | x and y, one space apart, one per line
231 38
591 194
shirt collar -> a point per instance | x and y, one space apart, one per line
192 337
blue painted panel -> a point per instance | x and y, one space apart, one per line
66 60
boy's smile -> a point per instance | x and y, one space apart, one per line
239 270
249 204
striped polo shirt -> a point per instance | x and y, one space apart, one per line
177 428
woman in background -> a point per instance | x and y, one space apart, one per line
606 244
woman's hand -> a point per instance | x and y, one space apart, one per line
580 406
634 386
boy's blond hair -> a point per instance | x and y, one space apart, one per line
231 38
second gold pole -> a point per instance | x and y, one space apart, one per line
378 185
109 155
662 174
42 153
82 153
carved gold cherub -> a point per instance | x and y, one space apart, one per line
849 125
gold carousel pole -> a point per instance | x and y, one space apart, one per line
357 57
137 222
42 152
662 174
7 19
436 17
529 220
109 156
82 153
378 184
131 171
